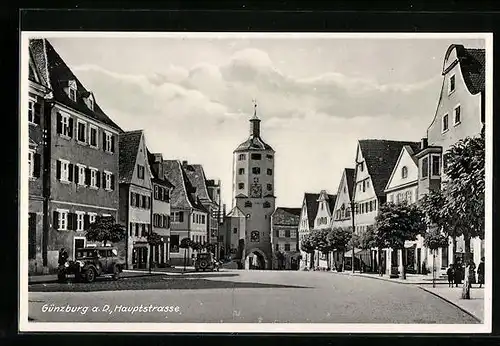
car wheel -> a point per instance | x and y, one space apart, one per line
116 272
90 275
61 277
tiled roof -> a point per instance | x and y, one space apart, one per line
331 202
173 172
57 74
286 216
236 212
253 143
312 206
196 176
157 179
472 65
129 146
349 174
381 156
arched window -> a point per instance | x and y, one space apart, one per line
404 172
248 204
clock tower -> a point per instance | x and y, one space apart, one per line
253 194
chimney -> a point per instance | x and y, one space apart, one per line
423 144
184 163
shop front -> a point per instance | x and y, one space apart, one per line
140 255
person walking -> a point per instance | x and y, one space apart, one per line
63 256
480 273
458 274
450 272
471 272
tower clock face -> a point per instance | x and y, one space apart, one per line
256 190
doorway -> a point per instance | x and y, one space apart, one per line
419 261
140 257
78 243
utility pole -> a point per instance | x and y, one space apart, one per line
353 210
218 223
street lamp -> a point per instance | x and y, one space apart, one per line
354 207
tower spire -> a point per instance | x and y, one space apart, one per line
254 102
255 121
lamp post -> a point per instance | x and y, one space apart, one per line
353 211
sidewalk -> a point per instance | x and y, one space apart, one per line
473 306
411 279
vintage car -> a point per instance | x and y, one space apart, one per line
91 262
206 261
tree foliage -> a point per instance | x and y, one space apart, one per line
367 239
154 239
319 239
105 230
397 223
306 244
435 239
185 243
339 238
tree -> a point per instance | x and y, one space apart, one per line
434 239
339 238
464 192
154 239
307 246
397 223
105 230
185 244
367 240
321 243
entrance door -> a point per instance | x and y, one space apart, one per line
79 243
419 261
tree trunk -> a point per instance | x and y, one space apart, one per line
467 283
454 249
150 257
403 262
104 242
343 259
380 267
312 261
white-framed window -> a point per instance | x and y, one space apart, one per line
451 84
457 115
242 157
31 111
72 90
31 163
281 233
293 233
367 184
445 124
435 165
93 136
81 131
79 220
92 217
64 170
63 219
93 177
109 140
65 125
81 174
106 215
107 176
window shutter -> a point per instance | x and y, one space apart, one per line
59 123
70 221
112 181
86 221
36 166
87 176
36 115
112 143
70 132
70 172
104 141
165 221
55 221
77 169
98 178
58 169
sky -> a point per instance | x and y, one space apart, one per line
316 97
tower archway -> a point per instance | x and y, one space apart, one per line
256 259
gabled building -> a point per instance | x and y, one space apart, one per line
323 220
80 165
375 161
306 223
135 197
188 215
235 229
285 240
37 166
403 187
460 113
162 189
216 218
342 208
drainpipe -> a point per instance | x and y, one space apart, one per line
46 176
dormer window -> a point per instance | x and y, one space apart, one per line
451 84
89 100
91 104
404 172
72 90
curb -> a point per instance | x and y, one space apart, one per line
55 280
389 280
452 303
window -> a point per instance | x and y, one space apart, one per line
269 187
81 131
108 180
345 189
156 192
287 233
277 247
242 157
62 170
256 170
80 174
79 221
34 112
178 216
174 243
203 219
445 122
92 217
256 157
72 90
109 142
248 204
364 185
93 136
31 163
269 156
451 84
140 171
367 184
281 233
456 115
32 236
293 233
436 165
235 230
94 178
425 167
62 219
404 172
361 166
64 125
241 171
91 103
287 247
269 171
241 186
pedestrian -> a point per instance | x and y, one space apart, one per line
480 273
63 256
458 274
450 272
471 272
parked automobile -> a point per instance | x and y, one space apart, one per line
92 262
206 261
